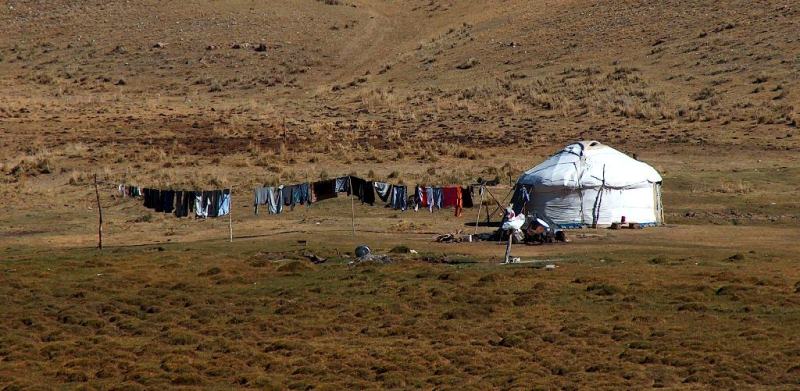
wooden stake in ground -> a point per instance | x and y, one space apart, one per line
508 246
480 205
230 212
100 216
352 204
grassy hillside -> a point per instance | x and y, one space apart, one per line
241 93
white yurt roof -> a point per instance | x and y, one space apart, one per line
587 164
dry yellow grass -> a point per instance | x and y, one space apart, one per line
417 91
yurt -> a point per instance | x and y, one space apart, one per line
589 184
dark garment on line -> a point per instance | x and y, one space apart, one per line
178 203
466 196
168 201
363 190
207 202
158 201
184 201
148 200
324 190
213 202
288 195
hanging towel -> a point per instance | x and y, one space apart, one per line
384 190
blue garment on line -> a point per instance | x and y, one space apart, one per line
399 199
224 202
437 198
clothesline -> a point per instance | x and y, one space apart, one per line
203 203
395 195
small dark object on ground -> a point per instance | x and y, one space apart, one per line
362 251
314 258
448 238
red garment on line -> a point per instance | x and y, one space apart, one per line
423 196
449 196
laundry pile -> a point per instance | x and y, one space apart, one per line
394 196
203 204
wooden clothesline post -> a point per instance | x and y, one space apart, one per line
100 216
508 246
230 213
352 203
480 205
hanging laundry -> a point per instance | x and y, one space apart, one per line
158 201
363 190
399 199
466 195
288 195
384 190
275 199
167 201
459 201
297 198
201 204
449 196
183 203
224 202
148 198
304 193
323 190
216 203
420 199
429 197
436 198
520 198
260 197
178 202
343 184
